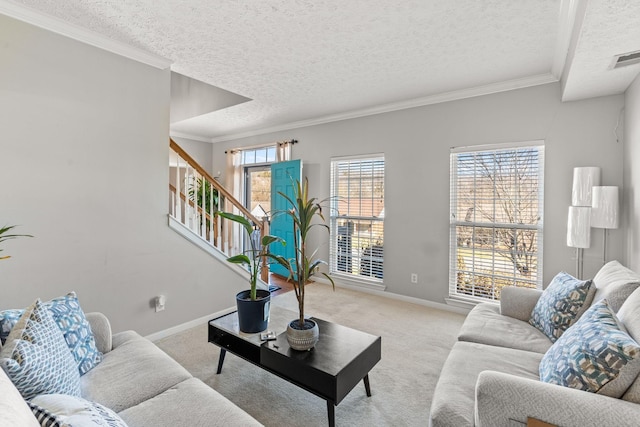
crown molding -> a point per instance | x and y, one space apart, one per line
75 32
566 24
190 136
505 86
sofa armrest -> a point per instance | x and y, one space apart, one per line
101 329
504 400
518 302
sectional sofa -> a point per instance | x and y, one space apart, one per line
505 371
133 383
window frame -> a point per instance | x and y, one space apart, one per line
374 261
455 223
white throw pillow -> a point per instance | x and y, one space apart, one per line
72 411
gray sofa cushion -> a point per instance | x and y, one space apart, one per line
454 397
134 371
629 315
615 282
190 400
485 325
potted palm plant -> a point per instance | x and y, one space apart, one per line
253 304
5 236
302 333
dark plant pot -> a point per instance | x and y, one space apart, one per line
253 316
302 338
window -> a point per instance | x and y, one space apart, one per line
496 219
357 217
259 155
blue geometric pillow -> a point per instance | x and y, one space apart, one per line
36 357
8 319
72 322
76 330
561 304
595 355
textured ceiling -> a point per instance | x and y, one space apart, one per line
609 28
299 60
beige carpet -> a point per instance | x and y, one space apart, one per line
415 342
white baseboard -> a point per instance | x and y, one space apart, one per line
188 325
193 323
390 295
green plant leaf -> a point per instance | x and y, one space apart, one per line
240 259
268 239
239 219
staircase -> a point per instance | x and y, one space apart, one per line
194 198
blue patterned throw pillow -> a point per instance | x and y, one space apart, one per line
74 325
595 355
561 304
77 332
36 357
8 319
53 410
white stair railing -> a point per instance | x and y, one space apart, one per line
194 197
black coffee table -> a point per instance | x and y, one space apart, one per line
340 360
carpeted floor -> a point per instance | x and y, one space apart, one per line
415 342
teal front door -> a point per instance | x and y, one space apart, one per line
283 178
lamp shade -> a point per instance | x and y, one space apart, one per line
578 228
584 179
605 210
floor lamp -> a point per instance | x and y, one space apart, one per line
578 222
604 212
579 233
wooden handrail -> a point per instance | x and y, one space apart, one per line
264 273
215 184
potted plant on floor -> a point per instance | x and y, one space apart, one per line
253 304
302 334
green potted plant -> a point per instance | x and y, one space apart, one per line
5 236
253 304
205 196
302 334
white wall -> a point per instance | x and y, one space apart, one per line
416 144
84 169
631 193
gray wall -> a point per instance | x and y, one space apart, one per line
200 151
85 155
416 144
631 196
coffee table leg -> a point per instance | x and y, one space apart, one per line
367 387
331 413
221 359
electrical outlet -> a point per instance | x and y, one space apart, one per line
414 277
160 301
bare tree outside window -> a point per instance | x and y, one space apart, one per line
496 198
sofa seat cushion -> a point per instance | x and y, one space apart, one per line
454 397
191 403
485 325
134 371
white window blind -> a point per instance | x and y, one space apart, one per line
496 219
357 217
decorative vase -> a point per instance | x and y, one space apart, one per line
253 316
302 338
